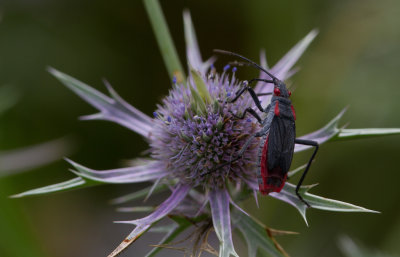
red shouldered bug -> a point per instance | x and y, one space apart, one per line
278 134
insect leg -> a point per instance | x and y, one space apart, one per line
264 80
247 144
253 95
244 148
252 112
262 94
311 143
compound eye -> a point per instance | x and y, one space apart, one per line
277 92
290 93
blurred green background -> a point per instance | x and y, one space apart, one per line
354 61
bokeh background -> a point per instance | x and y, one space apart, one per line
353 62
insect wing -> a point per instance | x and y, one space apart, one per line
281 144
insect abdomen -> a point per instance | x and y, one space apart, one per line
269 180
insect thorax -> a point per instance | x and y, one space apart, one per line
284 105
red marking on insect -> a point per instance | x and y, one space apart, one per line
277 92
290 93
277 112
294 113
272 181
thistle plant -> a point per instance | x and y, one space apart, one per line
192 131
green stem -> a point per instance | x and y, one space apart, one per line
164 40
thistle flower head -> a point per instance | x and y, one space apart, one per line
193 136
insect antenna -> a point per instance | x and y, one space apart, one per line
246 59
236 63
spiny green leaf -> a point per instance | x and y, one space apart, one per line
288 194
255 235
345 134
139 194
131 174
143 224
200 85
297 170
322 203
322 135
219 203
163 229
89 177
137 209
199 104
284 67
192 48
79 87
74 183
111 109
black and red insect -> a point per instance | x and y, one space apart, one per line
278 133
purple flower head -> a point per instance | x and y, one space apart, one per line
191 134
198 139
